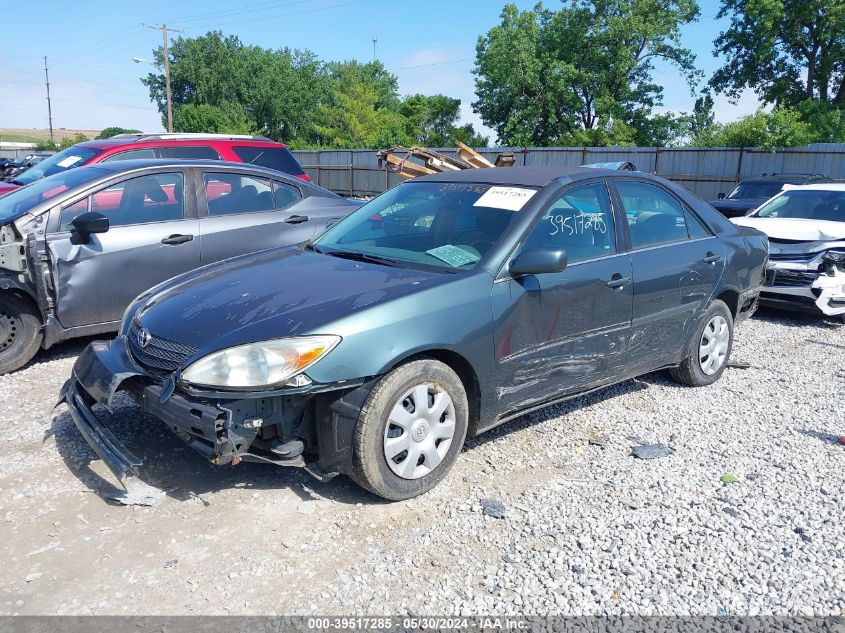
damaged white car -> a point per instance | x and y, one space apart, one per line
806 229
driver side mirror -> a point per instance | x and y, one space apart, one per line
538 262
721 195
86 224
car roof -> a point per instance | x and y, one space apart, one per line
125 166
140 163
782 177
165 140
526 176
817 186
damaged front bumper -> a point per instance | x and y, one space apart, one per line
805 285
307 427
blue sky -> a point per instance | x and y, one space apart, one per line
429 45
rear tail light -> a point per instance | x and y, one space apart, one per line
304 177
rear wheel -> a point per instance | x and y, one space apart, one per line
410 430
20 332
709 350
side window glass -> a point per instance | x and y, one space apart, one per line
69 213
654 217
285 195
198 152
231 194
697 230
141 200
580 222
131 155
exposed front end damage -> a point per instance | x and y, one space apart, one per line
807 277
308 427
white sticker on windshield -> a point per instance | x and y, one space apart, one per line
69 161
510 198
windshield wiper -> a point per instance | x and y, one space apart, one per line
362 257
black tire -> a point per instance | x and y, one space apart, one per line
690 372
370 467
20 332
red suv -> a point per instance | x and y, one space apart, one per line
255 150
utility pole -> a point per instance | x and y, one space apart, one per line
49 106
375 39
164 31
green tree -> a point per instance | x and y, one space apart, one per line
229 119
787 51
114 131
47 145
582 73
467 135
781 127
431 119
353 119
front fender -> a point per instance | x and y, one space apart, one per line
9 283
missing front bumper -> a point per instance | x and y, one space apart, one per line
224 431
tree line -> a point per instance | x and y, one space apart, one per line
583 74
219 84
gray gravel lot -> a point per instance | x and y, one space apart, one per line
587 527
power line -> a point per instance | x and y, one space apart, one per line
82 101
451 61
283 15
256 8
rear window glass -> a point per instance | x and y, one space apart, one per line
197 152
278 158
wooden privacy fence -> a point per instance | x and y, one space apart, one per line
706 171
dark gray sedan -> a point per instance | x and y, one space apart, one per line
440 309
77 247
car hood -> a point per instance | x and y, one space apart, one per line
795 230
272 294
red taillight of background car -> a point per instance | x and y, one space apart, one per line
304 177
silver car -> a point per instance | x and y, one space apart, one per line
77 247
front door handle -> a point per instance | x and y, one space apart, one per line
297 219
617 282
711 258
175 240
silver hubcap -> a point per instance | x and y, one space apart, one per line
419 431
714 345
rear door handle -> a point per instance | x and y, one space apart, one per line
617 282
711 258
175 240
297 219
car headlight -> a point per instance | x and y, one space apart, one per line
835 256
261 364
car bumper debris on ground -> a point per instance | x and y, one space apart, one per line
549 514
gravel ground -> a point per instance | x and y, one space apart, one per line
744 517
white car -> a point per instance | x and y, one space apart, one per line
806 229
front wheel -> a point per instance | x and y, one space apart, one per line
709 350
410 430
20 332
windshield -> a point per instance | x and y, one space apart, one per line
754 190
428 224
21 200
804 205
57 163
